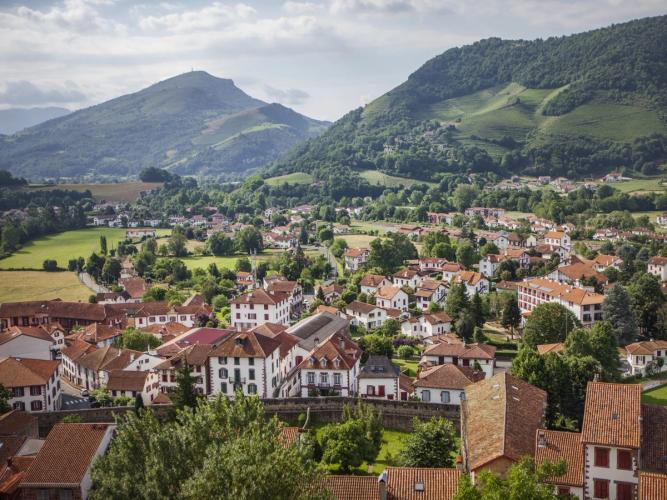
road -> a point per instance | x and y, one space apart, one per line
325 251
90 282
71 396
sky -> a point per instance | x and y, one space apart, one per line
322 58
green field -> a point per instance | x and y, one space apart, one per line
378 178
40 285
293 178
127 192
409 367
640 185
357 240
203 261
657 396
64 246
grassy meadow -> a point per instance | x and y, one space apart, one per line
64 246
40 285
657 396
293 178
125 192
375 177
203 261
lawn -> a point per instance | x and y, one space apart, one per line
293 178
63 246
203 261
40 285
375 177
657 396
127 192
409 367
640 185
357 240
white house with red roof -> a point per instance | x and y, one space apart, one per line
355 258
451 270
427 325
366 315
657 266
642 355
407 277
473 281
391 297
379 379
294 292
26 342
444 383
430 292
370 283
34 383
558 238
476 356
258 307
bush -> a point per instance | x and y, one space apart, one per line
50 265
406 352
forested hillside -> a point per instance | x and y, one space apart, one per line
193 123
577 106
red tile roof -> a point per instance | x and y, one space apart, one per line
127 380
66 456
652 486
372 280
447 377
466 351
412 483
555 446
15 372
17 422
612 415
36 332
260 296
352 487
247 345
336 347
654 438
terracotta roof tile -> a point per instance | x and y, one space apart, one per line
612 414
547 348
31 331
127 380
652 486
15 372
654 438
260 296
352 487
16 422
194 355
77 348
447 377
66 456
372 280
356 252
388 292
562 446
408 483
335 347
246 345
467 351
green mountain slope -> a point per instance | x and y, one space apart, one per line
180 124
577 106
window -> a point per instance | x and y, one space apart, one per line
426 396
601 488
222 360
445 397
563 490
42 494
65 495
19 405
251 361
336 378
17 392
252 389
237 361
223 387
324 378
624 491
311 377
251 374
602 457
36 406
370 390
624 459
223 373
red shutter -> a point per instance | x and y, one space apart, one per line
602 457
624 491
601 488
380 390
624 460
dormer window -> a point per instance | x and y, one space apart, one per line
323 362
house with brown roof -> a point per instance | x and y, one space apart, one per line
98 334
331 292
445 384
294 293
34 383
473 281
196 357
131 383
331 368
160 313
657 266
644 355
27 342
67 314
89 367
602 262
554 446
430 291
558 238
62 468
499 418
652 486
392 297
407 277
356 258
367 315
135 288
370 283
259 306
481 357
451 270
576 272
18 423
427 325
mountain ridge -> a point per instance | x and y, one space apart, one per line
14 120
157 126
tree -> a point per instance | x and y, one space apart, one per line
50 265
511 314
599 341
94 265
646 300
243 265
154 294
523 481
465 325
338 247
177 242
406 351
185 394
138 403
464 195
549 323
431 444
103 245
376 344
389 253
476 310
223 450
138 341
111 270
249 240
345 444
465 254
5 396
457 300
219 244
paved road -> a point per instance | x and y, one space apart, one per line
90 282
74 402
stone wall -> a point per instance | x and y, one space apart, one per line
397 415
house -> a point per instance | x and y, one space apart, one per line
98 334
477 356
642 355
246 361
489 442
379 378
34 383
331 368
294 293
651 485
441 218
70 356
355 258
548 251
602 262
430 291
484 212
279 240
576 272
160 313
19 423
67 314
244 280
131 383
585 305
27 342
407 277
427 325
445 383
427 264
391 297
661 219
657 266
474 282
370 283
613 177
62 467
330 292
554 446
518 255
559 239
112 297
489 265
412 232
196 357
90 368
451 270
366 315
259 306
139 233
555 348
135 287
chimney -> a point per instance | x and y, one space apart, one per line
341 343
541 440
459 463
382 485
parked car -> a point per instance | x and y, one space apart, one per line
84 393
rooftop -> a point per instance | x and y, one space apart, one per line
612 414
554 446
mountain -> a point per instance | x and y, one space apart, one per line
193 123
14 119
577 105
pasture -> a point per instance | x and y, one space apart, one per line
377 178
40 285
193 262
124 192
293 178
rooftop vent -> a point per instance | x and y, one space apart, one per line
541 440
615 416
419 486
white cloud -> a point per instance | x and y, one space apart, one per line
298 8
24 93
291 97
211 17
